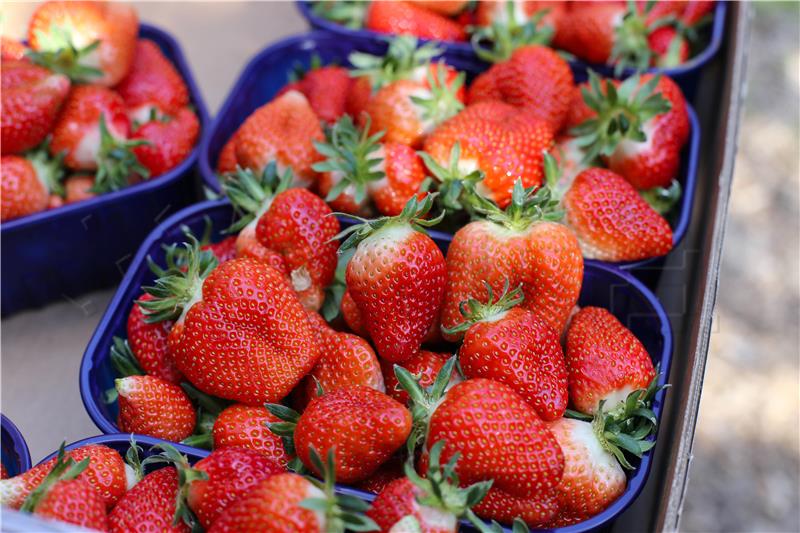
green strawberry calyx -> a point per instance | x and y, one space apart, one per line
49 168
116 161
440 100
631 48
451 181
662 199
285 430
403 57
252 193
348 13
497 42
528 206
64 469
186 476
474 311
58 53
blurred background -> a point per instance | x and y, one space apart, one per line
746 469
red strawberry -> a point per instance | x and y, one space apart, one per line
591 31
153 84
520 245
88 41
360 426
385 474
424 366
226 161
283 131
151 406
605 361
148 342
243 426
407 18
535 511
640 128
11 50
352 316
358 166
397 279
612 221
31 99
326 89
513 346
26 183
106 473
669 47
535 80
78 188
224 250
170 140
695 10
149 505
519 12
496 139
447 8
3 471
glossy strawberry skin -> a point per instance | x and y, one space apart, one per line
282 130
31 99
385 474
326 89
535 80
363 426
78 188
231 473
75 502
392 111
11 50
152 406
148 342
399 500
605 361
497 139
149 505
588 32
425 366
397 278
243 426
612 221
660 42
405 173
152 83
545 259
23 193
352 316
170 142
224 250
406 18
274 345
522 351
536 512
226 161
272 505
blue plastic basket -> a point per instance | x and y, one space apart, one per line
15 455
605 286
65 252
268 72
686 75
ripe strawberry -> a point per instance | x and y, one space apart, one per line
536 511
3 471
170 140
88 41
397 279
151 406
243 426
695 10
408 110
432 504
224 250
425 366
148 342
407 18
358 166
448 8
78 188
591 31
149 505
31 99
639 127
226 161
499 336
152 85
11 50
495 138
389 471
669 47
517 246
326 89
535 80
612 221
106 473
352 316
26 183
283 131
361 426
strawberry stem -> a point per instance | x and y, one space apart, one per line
115 161
64 469
497 42
662 199
49 168
528 205
443 102
251 194
348 13
58 53
402 58
475 311
451 181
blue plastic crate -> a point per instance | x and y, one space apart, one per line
62 253
605 286
15 454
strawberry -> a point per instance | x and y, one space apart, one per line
385 474
535 79
448 8
170 140
669 47
396 278
326 89
352 316
605 361
31 99
494 138
151 406
407 18
283 131
148 342
432 504
424 366
149 505
361 426
612 221
591 31
226 161
519 12
224 250
93 129
639 127
152 85
78 188
243 426
3 471
696 10
521 245
106 473
409 110
358 166
88 41
11 50
26 183
499 336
